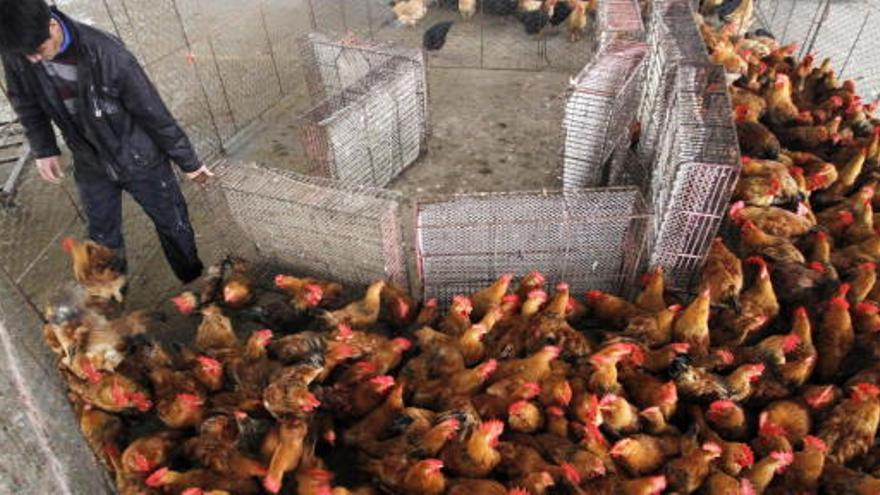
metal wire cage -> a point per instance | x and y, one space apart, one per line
620 19
591 239
370 118
312 225
598 110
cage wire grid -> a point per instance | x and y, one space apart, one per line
620 19
598 111
587 238
370 119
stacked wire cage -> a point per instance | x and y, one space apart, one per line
369 119
588 238
620 19
598 111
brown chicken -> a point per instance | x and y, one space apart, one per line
834 337
215 333
641 454
610 308
180 399
491 296
475 456
147 453
112 393
238 290
722 275
773 220
839 479
805 470
756 242
687 473
851 426
176 482
692 325
651 298
398 307
359 314
458 318
285 443
728 418
398 473
96 268
763 472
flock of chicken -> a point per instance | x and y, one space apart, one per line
535 15
766 382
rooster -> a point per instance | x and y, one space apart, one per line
97 268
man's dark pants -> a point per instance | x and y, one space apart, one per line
157 192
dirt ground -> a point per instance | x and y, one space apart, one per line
490 131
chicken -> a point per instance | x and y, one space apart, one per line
378 420
550 326
687 473
458 318
756 242
577 21
728 419
692 325
398 308
363 313
216 447
180 399
491 296
467 8
409 12
465 486
834 338
610 308
839 479
641 454
524 416
531 282
653 330
762 473
793 417
215 333
308 292
757 140
461 384
285 442
238 290
772 220
96 268
618 415
806 468
288 395
647 391
758 307
476 456
103 433
651 298
112 393
722 275
699 384
781 109
176 482
850 428
145 454
469 344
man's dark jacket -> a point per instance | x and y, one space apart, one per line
122 126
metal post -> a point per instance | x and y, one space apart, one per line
271 48
854 44
199 75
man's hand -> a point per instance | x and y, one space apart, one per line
50 169
201 175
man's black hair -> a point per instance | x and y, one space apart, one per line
24 25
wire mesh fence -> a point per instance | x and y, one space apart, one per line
598 111
313 225
493 37
694 174
370 122
620 19
838 30
591 239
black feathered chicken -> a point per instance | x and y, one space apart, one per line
435 36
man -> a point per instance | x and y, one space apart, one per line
112 119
